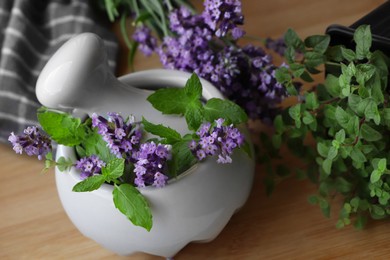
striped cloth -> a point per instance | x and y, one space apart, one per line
31 31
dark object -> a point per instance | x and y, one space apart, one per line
379 21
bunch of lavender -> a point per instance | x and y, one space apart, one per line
215 139
32 142
206 43
89 166
123 138
151 163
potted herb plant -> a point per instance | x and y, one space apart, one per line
339 127
131 184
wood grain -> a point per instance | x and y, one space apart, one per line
33 224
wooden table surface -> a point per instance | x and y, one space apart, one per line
33 224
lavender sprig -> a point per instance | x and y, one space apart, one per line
32 142
218 140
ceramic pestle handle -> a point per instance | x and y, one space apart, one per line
77 77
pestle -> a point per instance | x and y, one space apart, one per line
78 78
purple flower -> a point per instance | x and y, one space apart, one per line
218 140
150 161
147 43
122 136
224 17
277 45
89 166
32 142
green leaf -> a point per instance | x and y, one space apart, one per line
318 43
311 101
382 165
133 205
375 176
342 117
327 165
357 155
89 184
313 59
372 112
63 164
313 199
332 85
340 136
370 134
307 118
364 72
279 125
282 75
361 221
348 54
295 113
194 115
363 40
386 116
162 131
193 88
182 158
322 149
222 108
114 169
292 39
62 127
93 144
332 153
162 100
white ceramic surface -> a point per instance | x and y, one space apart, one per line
194 207
78 77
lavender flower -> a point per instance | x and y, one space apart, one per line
122 137
244 75
277 45
147 43
89 166
224 17
32 142
217 140
150 163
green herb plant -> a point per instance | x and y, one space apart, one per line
348 118
68 130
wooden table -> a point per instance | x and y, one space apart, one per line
33 224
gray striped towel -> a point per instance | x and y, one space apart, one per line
31 31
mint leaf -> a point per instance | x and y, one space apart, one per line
162 131
62 127
114 169
182 158
133 205
194 115
89 184
63 164
93 144
169 100
226 109
193 88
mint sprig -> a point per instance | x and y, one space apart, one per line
187 101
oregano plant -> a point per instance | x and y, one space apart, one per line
347 118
